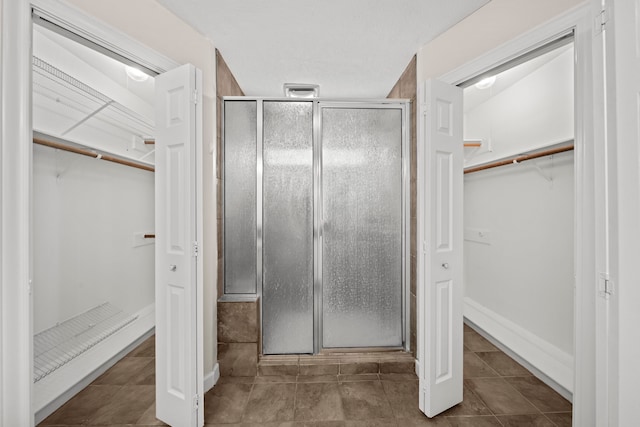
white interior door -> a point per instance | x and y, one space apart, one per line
440 256
179 369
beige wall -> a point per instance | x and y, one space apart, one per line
148 23
490 26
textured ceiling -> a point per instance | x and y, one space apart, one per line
351 48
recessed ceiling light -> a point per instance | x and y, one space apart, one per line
486 83
135 74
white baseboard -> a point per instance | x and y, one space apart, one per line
211 378
54 390
548 362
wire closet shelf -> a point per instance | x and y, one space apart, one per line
57 346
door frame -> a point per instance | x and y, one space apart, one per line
588 242
16 323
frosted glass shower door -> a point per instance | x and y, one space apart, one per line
362 227
240 223
287 282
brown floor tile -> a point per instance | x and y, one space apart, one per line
503 364
318 369
319 424
360 377
272 424
531 420
146 375
398 377
473 341
408 367
372 423
83 406
403 398
424 421
270 402
226 403
126 407
364 400
235 380
238 359
541 395
146 349
149 417
318 402
359 368
123 372
500 397
479 421
317 378
265 369
561 419
471 405
474 367
275 379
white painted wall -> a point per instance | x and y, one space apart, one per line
519 221
85 214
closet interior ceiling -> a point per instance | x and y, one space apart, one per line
86 98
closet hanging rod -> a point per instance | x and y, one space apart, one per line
88 153
518 159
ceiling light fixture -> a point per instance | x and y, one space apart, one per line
486 83
135 74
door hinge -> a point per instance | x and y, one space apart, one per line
424 109
606 286
196 402
600 22
195 249
195 96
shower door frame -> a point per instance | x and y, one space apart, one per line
317 285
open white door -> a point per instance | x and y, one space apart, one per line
440 267
179 366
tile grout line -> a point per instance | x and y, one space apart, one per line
483 402
485 363
517 391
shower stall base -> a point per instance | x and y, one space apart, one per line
339 365
69 356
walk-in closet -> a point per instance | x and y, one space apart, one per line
519 209
93 213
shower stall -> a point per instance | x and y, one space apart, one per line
316 205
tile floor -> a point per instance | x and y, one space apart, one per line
497 392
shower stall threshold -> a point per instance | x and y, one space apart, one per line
338 363
56 388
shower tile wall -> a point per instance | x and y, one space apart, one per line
406 88
238 338
238 334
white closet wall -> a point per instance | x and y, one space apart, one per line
86 213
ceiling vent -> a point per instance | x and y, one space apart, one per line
301 90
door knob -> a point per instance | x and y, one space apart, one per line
173 267
445 265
